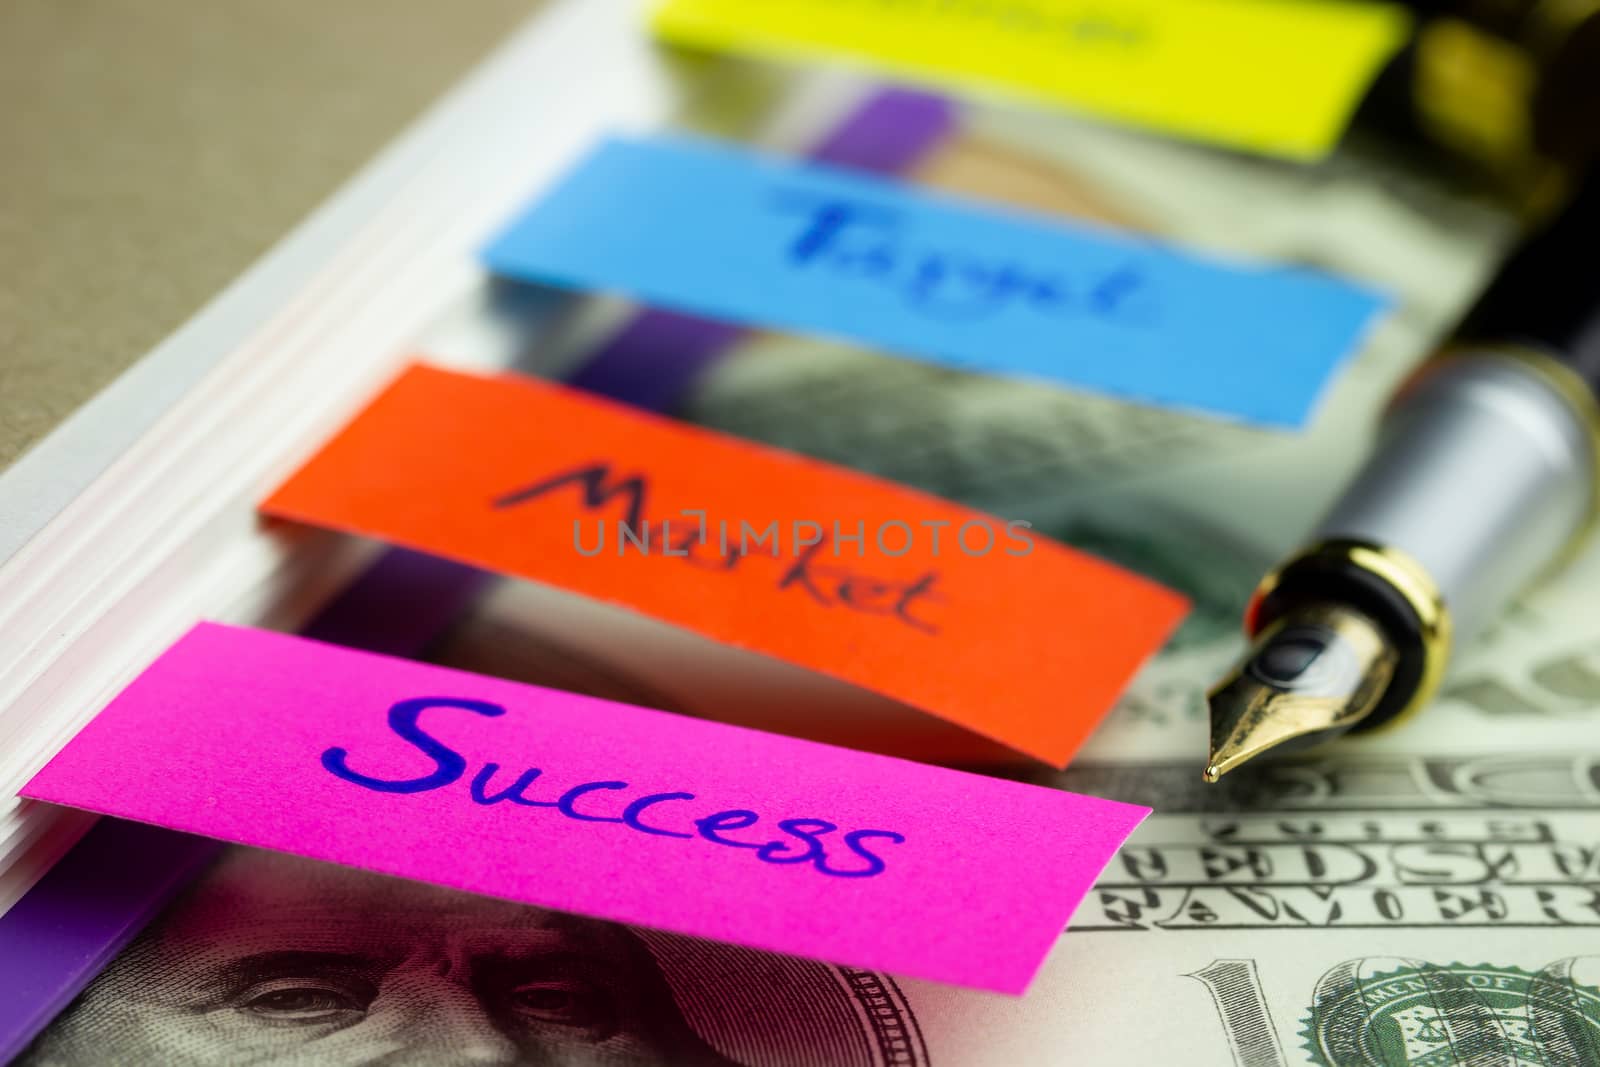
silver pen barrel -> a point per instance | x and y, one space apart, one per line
1487 474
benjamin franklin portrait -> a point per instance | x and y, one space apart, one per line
281 960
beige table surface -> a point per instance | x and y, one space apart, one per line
150 150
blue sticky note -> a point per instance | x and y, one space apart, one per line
720 232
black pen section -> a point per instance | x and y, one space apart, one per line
1332 577
1547 297
1501 89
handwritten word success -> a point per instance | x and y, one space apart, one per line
719 231
658 820
1028 650
801 840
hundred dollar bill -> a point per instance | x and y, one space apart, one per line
1352 910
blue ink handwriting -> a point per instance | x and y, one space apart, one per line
799 841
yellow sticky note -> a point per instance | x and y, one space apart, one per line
1276 77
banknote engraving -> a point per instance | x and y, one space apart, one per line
1361 843
1236 988
278 959
1560 684
1435 1016
1383 1012
1386 870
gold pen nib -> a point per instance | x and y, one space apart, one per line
1312 674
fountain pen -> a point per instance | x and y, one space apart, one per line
1486 473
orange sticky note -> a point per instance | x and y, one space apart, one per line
933 605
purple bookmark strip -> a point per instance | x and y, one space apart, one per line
652 362
76 919
400 604
889 133
70 925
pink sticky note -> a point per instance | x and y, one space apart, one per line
589 806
